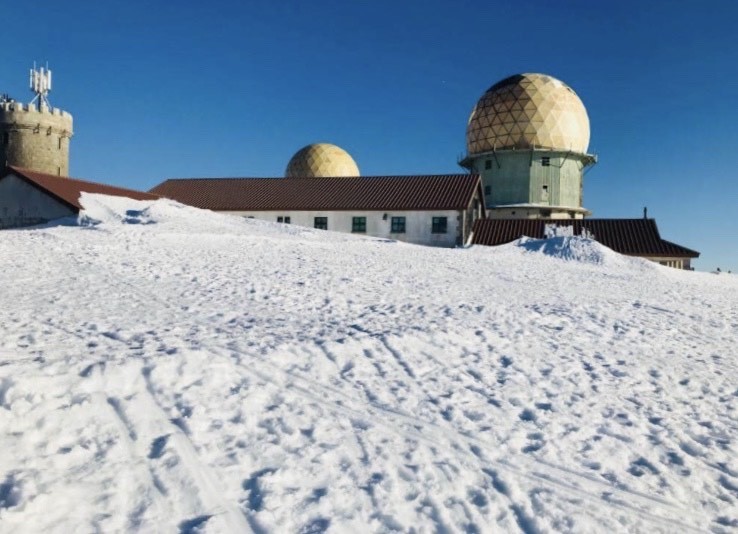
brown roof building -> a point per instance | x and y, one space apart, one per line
440 192
633 237
433 210
29 197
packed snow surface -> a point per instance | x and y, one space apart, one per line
165 369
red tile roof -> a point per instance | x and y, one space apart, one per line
636 237
442 192
68 190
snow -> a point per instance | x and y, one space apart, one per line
168 369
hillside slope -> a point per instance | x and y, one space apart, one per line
166 368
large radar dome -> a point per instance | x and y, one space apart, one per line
321 160
528 111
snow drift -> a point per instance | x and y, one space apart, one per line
164 368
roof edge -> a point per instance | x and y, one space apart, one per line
17 171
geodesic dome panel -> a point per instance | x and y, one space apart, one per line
321 160
528 111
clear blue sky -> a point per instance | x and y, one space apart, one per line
164 89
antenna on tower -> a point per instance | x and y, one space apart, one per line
40 83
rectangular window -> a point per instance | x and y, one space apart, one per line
358 224
398 225
546 161
440 225
487 190
488 164
6 138
60 143
285 220
321 223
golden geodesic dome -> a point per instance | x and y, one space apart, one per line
528 111
321 160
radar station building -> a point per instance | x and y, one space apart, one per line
527 141
527 137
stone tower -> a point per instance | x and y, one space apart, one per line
35 136
528 137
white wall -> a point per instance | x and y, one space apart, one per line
417 223
525 212
22 204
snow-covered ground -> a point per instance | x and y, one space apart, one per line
165 369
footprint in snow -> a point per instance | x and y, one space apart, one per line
158 445
527 415
193 526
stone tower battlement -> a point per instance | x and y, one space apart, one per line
35 137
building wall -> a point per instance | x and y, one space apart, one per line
520 177
535 212
22 204
35 139
418 224
677 263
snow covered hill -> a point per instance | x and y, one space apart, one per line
166 369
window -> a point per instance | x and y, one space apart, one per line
440 225
60 143
488 164
6 138
487 190
398 225
358 224
285 220
321 223
546 161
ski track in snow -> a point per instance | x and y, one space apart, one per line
197 373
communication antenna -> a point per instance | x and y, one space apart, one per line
40 84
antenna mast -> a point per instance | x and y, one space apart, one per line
40 84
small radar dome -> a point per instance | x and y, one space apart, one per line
321 160
528 111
